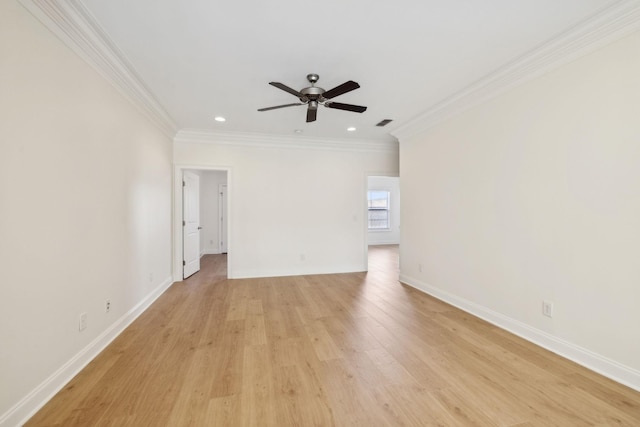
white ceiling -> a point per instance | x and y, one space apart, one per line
203 58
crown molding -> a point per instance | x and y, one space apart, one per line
258 140
605 27
70 21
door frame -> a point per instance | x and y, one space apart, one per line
178 170
223 214
365 217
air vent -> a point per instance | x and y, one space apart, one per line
384 122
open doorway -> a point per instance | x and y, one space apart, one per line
383 217
201 226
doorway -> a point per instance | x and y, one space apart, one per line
383 215
201 224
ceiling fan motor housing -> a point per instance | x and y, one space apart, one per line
312 93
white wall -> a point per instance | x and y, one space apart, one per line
210 210
392 235
85 212
292 210
535 196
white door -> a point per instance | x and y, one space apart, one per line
223 218
190 224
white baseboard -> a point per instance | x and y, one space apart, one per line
300 270
210 252
386 243
590 360
31 403
379 238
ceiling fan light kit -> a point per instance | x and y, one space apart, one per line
313 96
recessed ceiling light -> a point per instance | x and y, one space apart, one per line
351 129
298 131
220 119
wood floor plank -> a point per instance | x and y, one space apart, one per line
298 400
607 391
228 360
356 349
258 390
223 411
463 410
414 406
323 344
255 333
352 401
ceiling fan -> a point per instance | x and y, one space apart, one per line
313 96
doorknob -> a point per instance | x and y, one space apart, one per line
199 228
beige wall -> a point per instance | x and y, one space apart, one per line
85 210
536 196
286 204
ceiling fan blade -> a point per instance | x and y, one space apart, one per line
287 89
311 114
339 90
279 106
347 107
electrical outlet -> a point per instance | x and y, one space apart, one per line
303 257
420 268
547 308
150 277
83 322
107 306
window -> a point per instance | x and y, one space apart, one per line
378 203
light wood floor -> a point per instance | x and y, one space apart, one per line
332 350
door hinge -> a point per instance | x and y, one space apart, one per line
183 184
184 223
183 263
